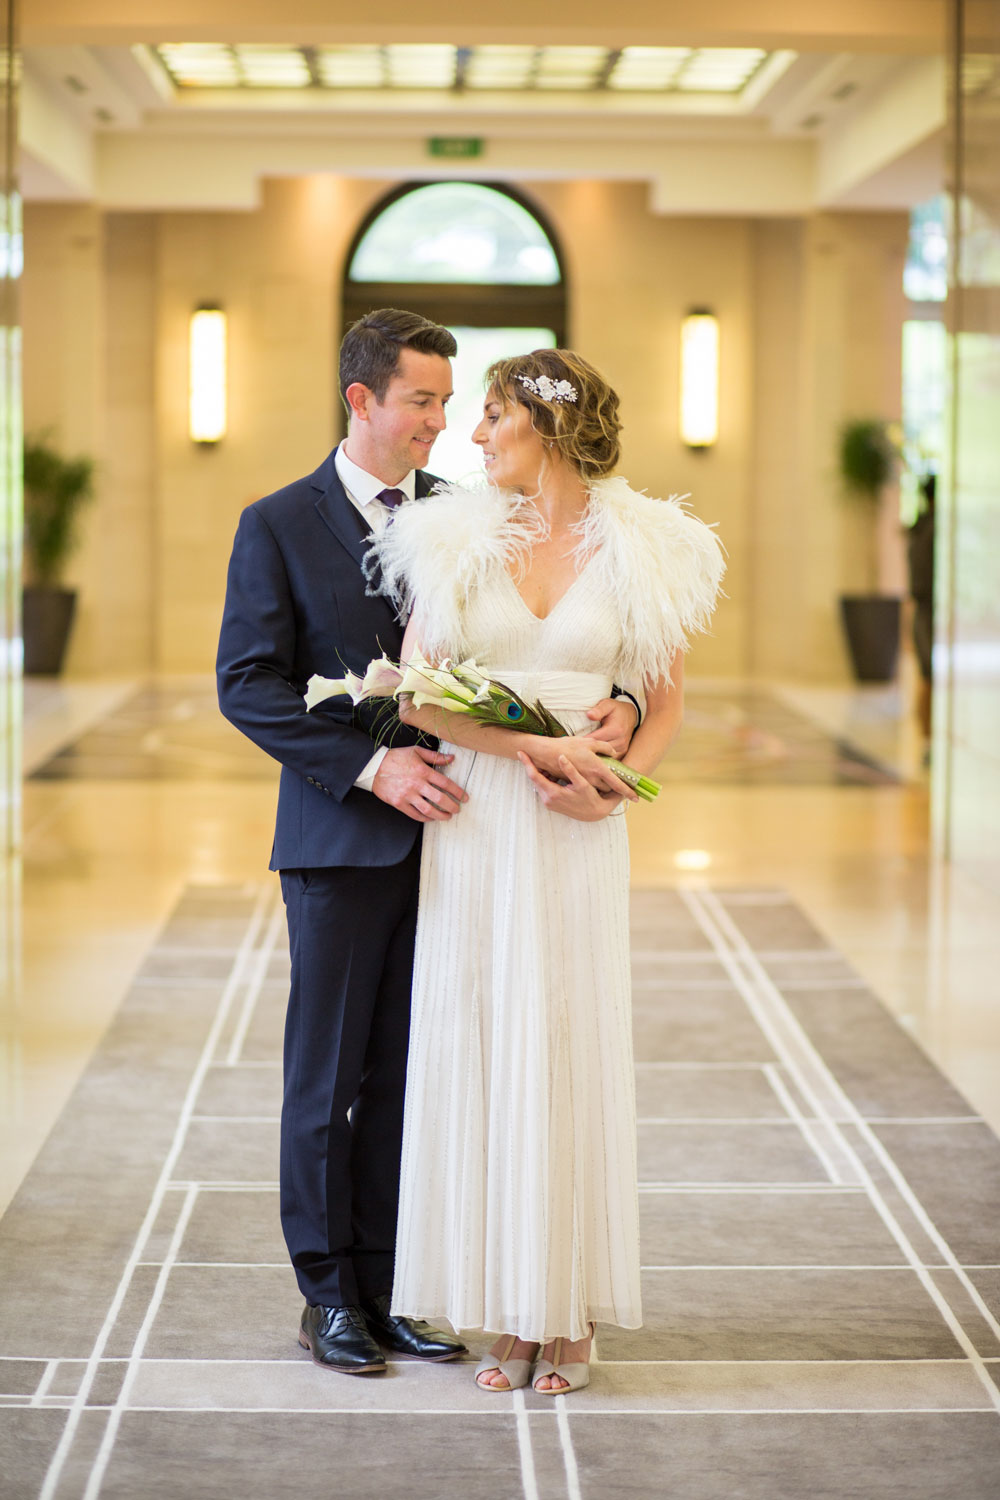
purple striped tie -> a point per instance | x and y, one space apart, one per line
390 499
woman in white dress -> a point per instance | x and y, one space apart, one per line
519 1203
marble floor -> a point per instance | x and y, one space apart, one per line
145 813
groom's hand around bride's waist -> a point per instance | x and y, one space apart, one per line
615 723
411 780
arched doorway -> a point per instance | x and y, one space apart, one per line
474 257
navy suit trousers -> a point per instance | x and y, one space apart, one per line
351 931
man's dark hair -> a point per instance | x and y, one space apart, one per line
371 348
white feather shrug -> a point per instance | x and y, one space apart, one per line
660 563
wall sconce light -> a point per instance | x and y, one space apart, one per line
700 378
207 390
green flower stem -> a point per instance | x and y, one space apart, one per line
645 786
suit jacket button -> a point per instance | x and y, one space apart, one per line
310 781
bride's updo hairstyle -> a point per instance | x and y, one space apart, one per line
584 431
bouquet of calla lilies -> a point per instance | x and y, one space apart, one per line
461 689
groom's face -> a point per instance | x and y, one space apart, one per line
400 430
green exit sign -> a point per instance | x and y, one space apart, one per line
455 146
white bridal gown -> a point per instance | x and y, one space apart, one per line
518 1201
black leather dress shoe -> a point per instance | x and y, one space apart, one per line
410 1336
338 1339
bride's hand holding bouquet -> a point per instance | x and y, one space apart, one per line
584 755
571 794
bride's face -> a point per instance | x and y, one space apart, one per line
513 452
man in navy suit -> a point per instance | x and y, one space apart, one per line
347 837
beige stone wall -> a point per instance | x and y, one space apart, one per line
853 309
810 331
828 310
633 276
124 540
277 273
64 396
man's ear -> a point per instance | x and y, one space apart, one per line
359 398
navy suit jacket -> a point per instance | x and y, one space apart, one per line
296 603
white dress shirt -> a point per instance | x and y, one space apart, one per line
363 490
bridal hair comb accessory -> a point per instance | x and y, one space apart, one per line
549 390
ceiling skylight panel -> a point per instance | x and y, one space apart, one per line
421 66
517 68
274 67
570 67
200 64
647 67
359 67
720 69
500 67
499 75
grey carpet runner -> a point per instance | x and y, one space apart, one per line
821 1254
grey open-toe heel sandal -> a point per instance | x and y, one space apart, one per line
576 1374
517 1372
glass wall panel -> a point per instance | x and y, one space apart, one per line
924 369
10 522
967 662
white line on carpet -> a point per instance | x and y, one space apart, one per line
531 1489
569 1456
809 1134
42 1389
529 1482
801 1266
114 1421
823 1188
697 1067
275 926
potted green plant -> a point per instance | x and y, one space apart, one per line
55 489
867 460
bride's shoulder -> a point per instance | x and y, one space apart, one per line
642 535
669 523
662 563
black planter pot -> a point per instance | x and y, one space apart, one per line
47 618
871 624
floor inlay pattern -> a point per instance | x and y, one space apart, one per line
821 1253
743 736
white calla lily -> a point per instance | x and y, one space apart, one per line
382 679
432 684
318 689
453 704
469 674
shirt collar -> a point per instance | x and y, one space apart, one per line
364 487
